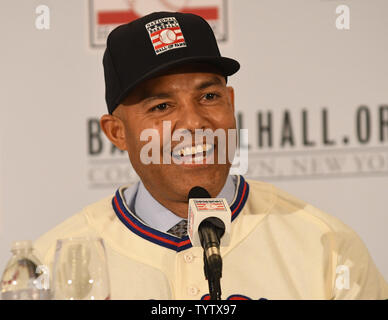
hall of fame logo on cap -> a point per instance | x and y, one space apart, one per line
165 34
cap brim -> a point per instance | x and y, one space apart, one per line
226 66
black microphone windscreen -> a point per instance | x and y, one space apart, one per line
198 192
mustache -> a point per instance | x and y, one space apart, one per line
182 144
183 138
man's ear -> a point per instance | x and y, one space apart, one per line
231 96
114 129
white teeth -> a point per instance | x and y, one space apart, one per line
193 150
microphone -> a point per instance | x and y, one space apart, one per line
203 207
209 222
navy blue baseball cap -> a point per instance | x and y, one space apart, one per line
139 50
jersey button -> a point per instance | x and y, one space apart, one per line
193 291
188 257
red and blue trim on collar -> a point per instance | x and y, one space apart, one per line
165 239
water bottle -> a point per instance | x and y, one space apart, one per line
23 275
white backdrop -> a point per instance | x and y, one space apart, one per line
313 97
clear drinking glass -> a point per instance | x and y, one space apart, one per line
80 270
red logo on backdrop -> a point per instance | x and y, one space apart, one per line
105 15
165 34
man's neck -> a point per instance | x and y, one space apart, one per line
160 216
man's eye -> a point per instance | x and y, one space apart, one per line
160 107
210 96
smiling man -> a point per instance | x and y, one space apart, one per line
190 97
164 70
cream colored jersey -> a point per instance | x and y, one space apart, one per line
281 248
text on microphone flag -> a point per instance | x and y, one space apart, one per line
205 205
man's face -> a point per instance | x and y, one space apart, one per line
189 97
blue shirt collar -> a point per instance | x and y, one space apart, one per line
151 212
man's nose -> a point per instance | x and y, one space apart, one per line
191 116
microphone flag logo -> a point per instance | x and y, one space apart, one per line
206 205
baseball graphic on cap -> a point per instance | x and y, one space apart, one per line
167 36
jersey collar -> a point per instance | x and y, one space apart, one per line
135 225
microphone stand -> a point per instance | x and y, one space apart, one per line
210 235
213 277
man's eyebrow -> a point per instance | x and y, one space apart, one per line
148 97
214 81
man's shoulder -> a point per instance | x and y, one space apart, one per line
290 217
77 225
284 206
